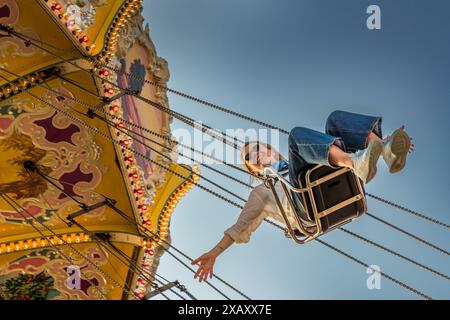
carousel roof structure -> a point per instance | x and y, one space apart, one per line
84 207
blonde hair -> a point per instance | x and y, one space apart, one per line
245 150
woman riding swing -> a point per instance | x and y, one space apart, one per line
351 140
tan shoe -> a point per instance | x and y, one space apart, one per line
395 150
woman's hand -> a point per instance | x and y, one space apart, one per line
206 266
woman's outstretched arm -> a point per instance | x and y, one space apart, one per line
250 218
208 259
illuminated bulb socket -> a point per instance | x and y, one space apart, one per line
143 207
125 143
133 175
114 108
147 267
109 91
142 281
104 73
121 125
84 39
139 191
56 7
147 222
150 252
140 295
129 159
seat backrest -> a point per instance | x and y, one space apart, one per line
331 193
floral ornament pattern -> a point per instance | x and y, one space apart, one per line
43 274
9 15
27 286
60 149
81 12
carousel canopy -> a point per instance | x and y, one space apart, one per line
79 195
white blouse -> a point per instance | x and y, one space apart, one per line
261 204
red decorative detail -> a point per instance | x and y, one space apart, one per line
5 11
139 191
104 73
69 179
56 7
133 175
55 134
143 207
147 222
114 108
150 252
140 296
31 209
84 39
129 159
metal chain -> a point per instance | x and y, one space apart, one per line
111 249
93 235
146 158
407 233
353 234
98 132
95 130
128 131
420 215
21 36
147 231
107 137
173 113
378 198
151 160
187 96
168 158
13 203
165 137
398 282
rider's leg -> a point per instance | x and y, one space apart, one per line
308 147
356 130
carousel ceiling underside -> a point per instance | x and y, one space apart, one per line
44 121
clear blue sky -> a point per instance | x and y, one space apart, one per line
291 63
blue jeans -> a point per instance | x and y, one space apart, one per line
348 130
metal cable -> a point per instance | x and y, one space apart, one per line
407 233
107 137
189 97
137 153
353 234
131 264
234 114
415 213
21 36
398 282
146 231
127 122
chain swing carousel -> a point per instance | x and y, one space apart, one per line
75 198
88 179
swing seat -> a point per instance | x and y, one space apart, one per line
327 198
